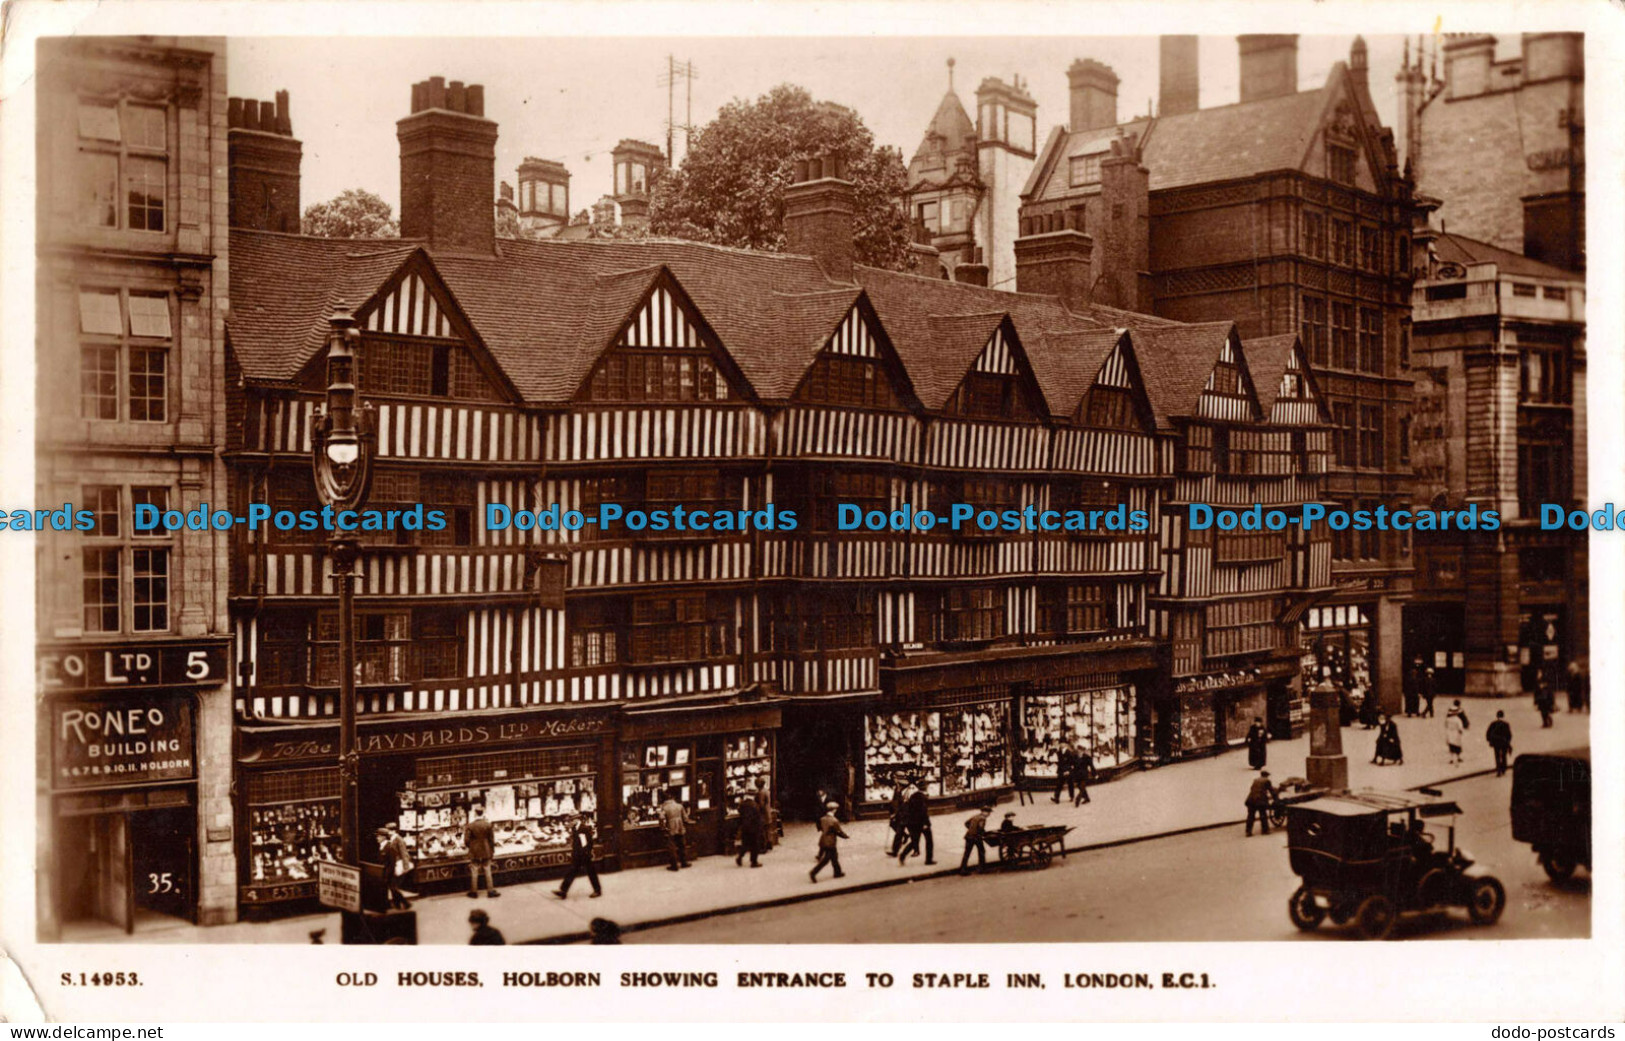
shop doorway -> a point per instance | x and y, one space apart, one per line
127 870
1434 636
1542 644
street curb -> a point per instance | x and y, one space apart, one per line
864 887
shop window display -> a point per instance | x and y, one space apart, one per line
1101 721
947 752
529 797
748 765
648 771
293 824
1339 640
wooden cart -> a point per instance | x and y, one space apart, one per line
1029 847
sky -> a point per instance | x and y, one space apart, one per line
572 99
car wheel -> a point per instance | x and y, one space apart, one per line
1559 866
1375 918
1306 914
1488 899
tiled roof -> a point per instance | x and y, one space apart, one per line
1462 250
1267 357
953 125
1206 146
547 309
1176 362
283 287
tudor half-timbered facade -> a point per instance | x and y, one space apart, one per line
1248 424
544 658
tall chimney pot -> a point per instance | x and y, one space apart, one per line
818 209
448 168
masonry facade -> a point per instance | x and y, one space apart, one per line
135 726
1286 212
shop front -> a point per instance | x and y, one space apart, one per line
1212 712
1341 646
708 754
1094 712
532 774
124 799
965 727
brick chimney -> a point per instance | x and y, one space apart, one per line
1180 89
1269 65
1123 263
448 168
263 159
1094 95
636 164
818 208
1056 262
972 272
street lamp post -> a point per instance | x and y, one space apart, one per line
342 463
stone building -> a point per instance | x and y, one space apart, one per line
1499 359
1286 212
134 804
965 179
1501 144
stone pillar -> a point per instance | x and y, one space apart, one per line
1326 766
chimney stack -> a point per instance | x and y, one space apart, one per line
1269 65
972 272
818 209
1094 95
1468 58
262 158
1056 262
1180 87
448 167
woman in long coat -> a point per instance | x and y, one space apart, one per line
1257 745
1388 746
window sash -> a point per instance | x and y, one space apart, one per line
100 589
150 589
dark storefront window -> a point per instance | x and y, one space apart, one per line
1340 647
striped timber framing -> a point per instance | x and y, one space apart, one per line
1297 401
814 431
1218 403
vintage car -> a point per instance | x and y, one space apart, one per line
1366 857
1551 809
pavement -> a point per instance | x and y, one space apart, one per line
1155 803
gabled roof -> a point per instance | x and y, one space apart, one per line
544 309
1462 250
1267 358
1209 145
284 287
1072 358
1176 362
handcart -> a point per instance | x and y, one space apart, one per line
1030 847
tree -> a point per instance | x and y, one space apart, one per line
353 214
730 188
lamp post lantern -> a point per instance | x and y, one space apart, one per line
342 463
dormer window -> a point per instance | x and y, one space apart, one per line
986 395
1340 164
1083 170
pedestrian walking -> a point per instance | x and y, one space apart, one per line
764 802
1571 683
674 820
1370 716
750 831
1545 698
1428 692
1018 778
899 810
1259 798
917 817
1413 688
582 837
397 862
1455 727
976 839
485 934
1064 764
1258 745
829 835
477 837
1083 768
1499 736
1388 749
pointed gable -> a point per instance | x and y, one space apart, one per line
1000 383
1287 389
1228 393
1117 399
658 351
856 365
